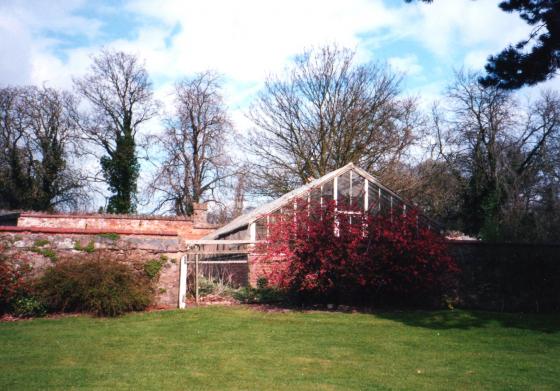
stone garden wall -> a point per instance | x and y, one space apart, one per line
43 249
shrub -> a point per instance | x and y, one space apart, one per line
262 282
211 285
323 254
15 279
153 267
265 295
100 286
25 307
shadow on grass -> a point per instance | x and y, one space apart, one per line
464 320
440 319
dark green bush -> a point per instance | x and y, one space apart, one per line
265 295
262 282
101 286
25 307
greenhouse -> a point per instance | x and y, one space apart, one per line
349 185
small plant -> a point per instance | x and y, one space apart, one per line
40 242
89 248
46 252
49 253
205 286
110 236
152 268
262 282
213 286
25 307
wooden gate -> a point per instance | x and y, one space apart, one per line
205 258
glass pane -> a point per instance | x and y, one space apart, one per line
261 227
315 197
328 192
397 206
373 197
385 203
358 190
343 196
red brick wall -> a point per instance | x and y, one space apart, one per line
260 268
183 227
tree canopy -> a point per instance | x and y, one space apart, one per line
325 112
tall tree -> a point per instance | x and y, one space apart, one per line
495 151
16 181
195 162
37 134
326 112
120 94
534 59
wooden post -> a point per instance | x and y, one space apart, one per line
253 232
196 277
183 282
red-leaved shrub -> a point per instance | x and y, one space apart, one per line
14 278
326 254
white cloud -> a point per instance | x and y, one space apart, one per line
248 39
407 65
446 27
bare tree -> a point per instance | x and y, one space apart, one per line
121 100
37 136
195 162
496 150
326 112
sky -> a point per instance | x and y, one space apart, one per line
50 42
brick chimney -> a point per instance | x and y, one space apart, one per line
200 215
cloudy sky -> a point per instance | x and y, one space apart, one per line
51 41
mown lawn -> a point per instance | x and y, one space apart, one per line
241 348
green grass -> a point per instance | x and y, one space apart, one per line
241 348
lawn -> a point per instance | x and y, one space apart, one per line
243 348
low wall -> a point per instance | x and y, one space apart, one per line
42 249
494 276
508 276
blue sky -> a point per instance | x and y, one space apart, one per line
49 42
